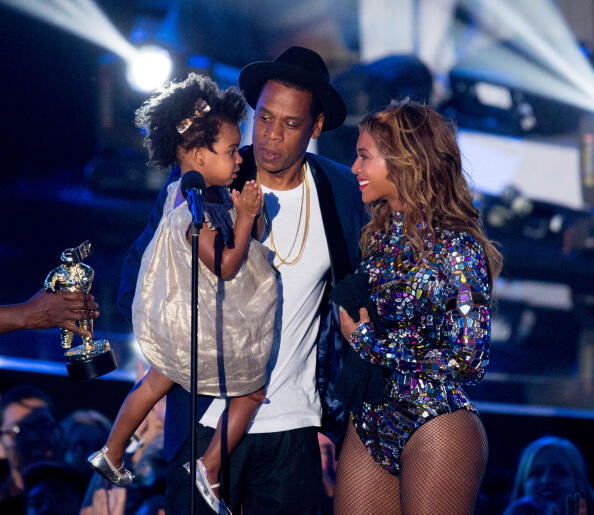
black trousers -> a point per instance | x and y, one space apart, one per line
267 473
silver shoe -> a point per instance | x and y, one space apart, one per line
205 489
100 462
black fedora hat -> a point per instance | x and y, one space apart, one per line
303 67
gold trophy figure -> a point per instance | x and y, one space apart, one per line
93 358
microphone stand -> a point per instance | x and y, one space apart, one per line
192 186
195 233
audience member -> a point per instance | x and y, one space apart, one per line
15 405
529 506
84 431
145 496
53 488
39 438
143 456
552 476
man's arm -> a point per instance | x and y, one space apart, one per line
46 310
131 265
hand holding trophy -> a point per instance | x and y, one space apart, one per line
92 358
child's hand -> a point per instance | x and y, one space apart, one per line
249 201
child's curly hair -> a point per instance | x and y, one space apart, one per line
160 115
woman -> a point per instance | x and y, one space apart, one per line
552 474
420 448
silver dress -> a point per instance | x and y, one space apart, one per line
235 317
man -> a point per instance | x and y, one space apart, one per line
313 216
16 405
46 310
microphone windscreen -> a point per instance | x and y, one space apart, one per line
192 179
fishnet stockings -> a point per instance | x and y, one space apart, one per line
442 466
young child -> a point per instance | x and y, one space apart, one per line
194 125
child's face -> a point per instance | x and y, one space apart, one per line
220 167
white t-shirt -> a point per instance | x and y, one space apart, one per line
293 400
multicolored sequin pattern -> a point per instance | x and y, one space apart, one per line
434 336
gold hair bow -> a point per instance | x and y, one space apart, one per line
201 107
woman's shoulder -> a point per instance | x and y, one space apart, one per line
462 253
458 242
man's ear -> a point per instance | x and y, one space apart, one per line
318 124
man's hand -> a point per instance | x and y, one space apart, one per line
46 310
258 396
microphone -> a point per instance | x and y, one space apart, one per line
192 188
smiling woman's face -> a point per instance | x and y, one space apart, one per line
372 173
550 478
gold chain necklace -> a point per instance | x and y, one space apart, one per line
267 221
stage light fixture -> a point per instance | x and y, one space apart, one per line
149 68
494 95
497 105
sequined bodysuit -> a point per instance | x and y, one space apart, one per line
434 336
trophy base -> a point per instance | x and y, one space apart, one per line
83 365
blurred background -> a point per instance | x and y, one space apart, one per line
516 75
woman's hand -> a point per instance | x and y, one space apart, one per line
576 504
249 201
348 325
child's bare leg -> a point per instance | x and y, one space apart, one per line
239 415
137 405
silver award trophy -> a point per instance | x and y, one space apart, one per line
92 358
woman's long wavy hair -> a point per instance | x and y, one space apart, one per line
423 161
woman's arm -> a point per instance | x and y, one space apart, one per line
467 322
220 259
387 351
463 350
